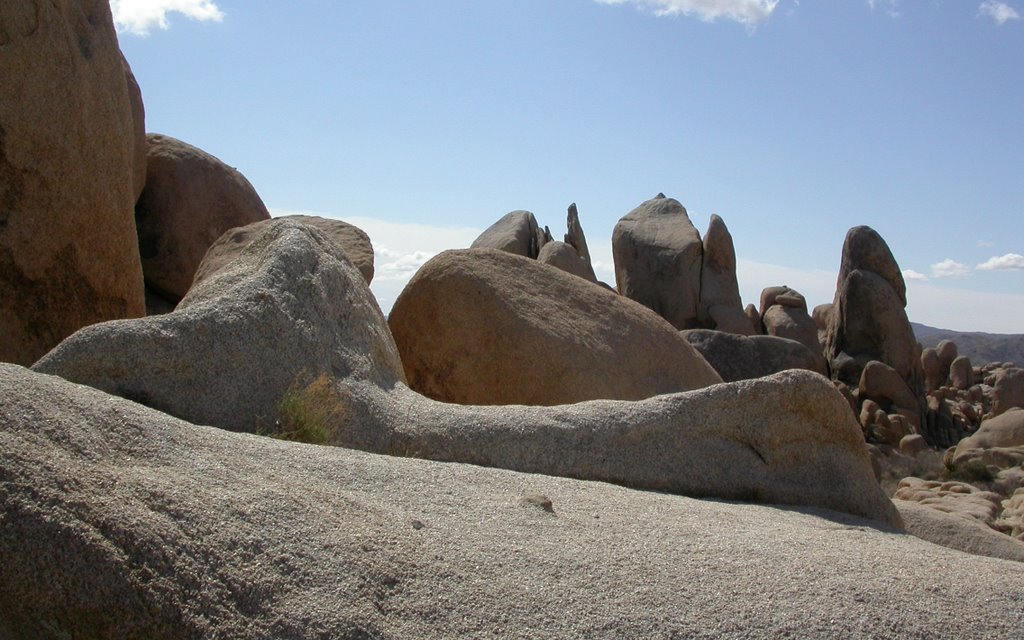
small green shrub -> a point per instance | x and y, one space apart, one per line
309 413
970 472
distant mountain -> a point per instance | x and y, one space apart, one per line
981 348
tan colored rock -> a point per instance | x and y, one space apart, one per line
720 305
913 444
488 327
575 237
191 198
68 255
352 240
1004 430
947 352
881 383
1012 517
931 367
563 256
139 144
1007 390
657 253
822 315
755 319
961 374
954 532
956 498
517 232
865 250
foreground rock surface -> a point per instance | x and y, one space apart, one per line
207 533
68 255
488 327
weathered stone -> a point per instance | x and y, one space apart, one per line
782 296
955 532
139 144
822 315
931 367
487 327
793 323
947 352
719 289
352 240
657 253
737 357
68 255
284 310
755 319
1004 430
913 444
516 232
883 384
191 198
574 235
865 250
961 374
195 532
957 498
563 256
1007 390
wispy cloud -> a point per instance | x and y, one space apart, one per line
747 12
984 244
140 16
1008 262
1000 12
891 7
950 268
910 274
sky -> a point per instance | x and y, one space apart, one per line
424 121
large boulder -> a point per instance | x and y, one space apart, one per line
517 232
784 314
657 253
1004 430
68 255
955 532
563 255
480 326
737 357
352 240
868 319
285 309
140 146
191 198
119 521
292 307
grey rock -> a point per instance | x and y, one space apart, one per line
737 357
574 235
206 533
865 250
352 240
657 253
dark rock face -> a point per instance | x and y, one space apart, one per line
737 357
190 199
658 255
68 257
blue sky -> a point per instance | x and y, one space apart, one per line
428 120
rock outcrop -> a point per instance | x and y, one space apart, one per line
207 533
1004 430
787 438
480 326
784 314
191 198
1007 390
68 256
658 253
868 320
517 232
352 240
737 357
720 305
284 310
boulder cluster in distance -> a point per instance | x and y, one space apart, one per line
153 317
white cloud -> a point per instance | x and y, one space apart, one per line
748 12
1000 12
139 16
891 7
949 268
1008 262
910 274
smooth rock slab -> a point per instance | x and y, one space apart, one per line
120 521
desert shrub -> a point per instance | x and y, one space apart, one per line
308 412
970 472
